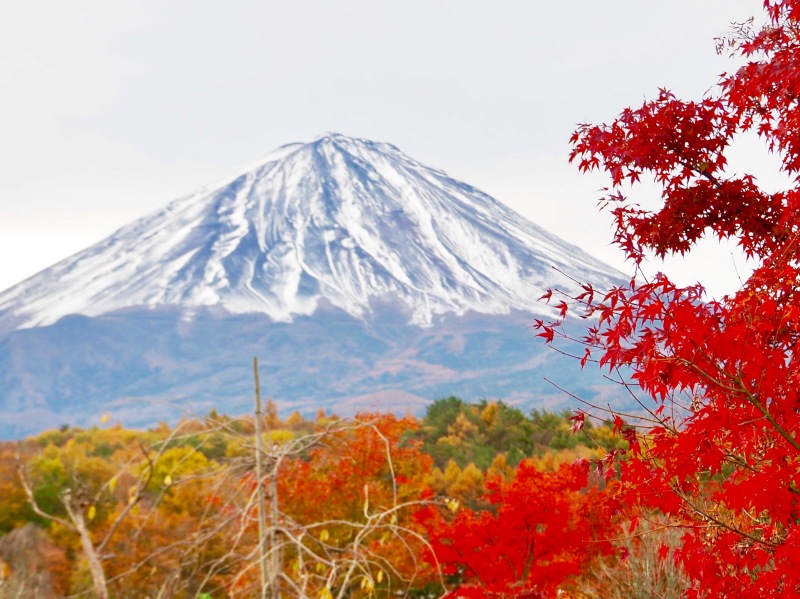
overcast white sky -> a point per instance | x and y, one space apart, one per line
112 109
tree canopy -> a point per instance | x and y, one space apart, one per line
717 447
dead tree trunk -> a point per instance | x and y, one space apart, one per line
75 513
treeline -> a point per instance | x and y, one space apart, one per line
476 497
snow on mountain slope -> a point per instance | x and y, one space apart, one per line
338 220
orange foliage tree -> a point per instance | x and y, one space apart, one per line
340 511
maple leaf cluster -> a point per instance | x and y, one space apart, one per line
718 445
542 529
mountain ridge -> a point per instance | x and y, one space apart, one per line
355 274
341 219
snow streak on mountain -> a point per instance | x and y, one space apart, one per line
340 221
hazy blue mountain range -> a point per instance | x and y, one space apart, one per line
360 277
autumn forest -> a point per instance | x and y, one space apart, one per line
478 497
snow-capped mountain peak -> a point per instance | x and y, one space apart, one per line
338 220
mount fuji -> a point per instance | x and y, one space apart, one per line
360 277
